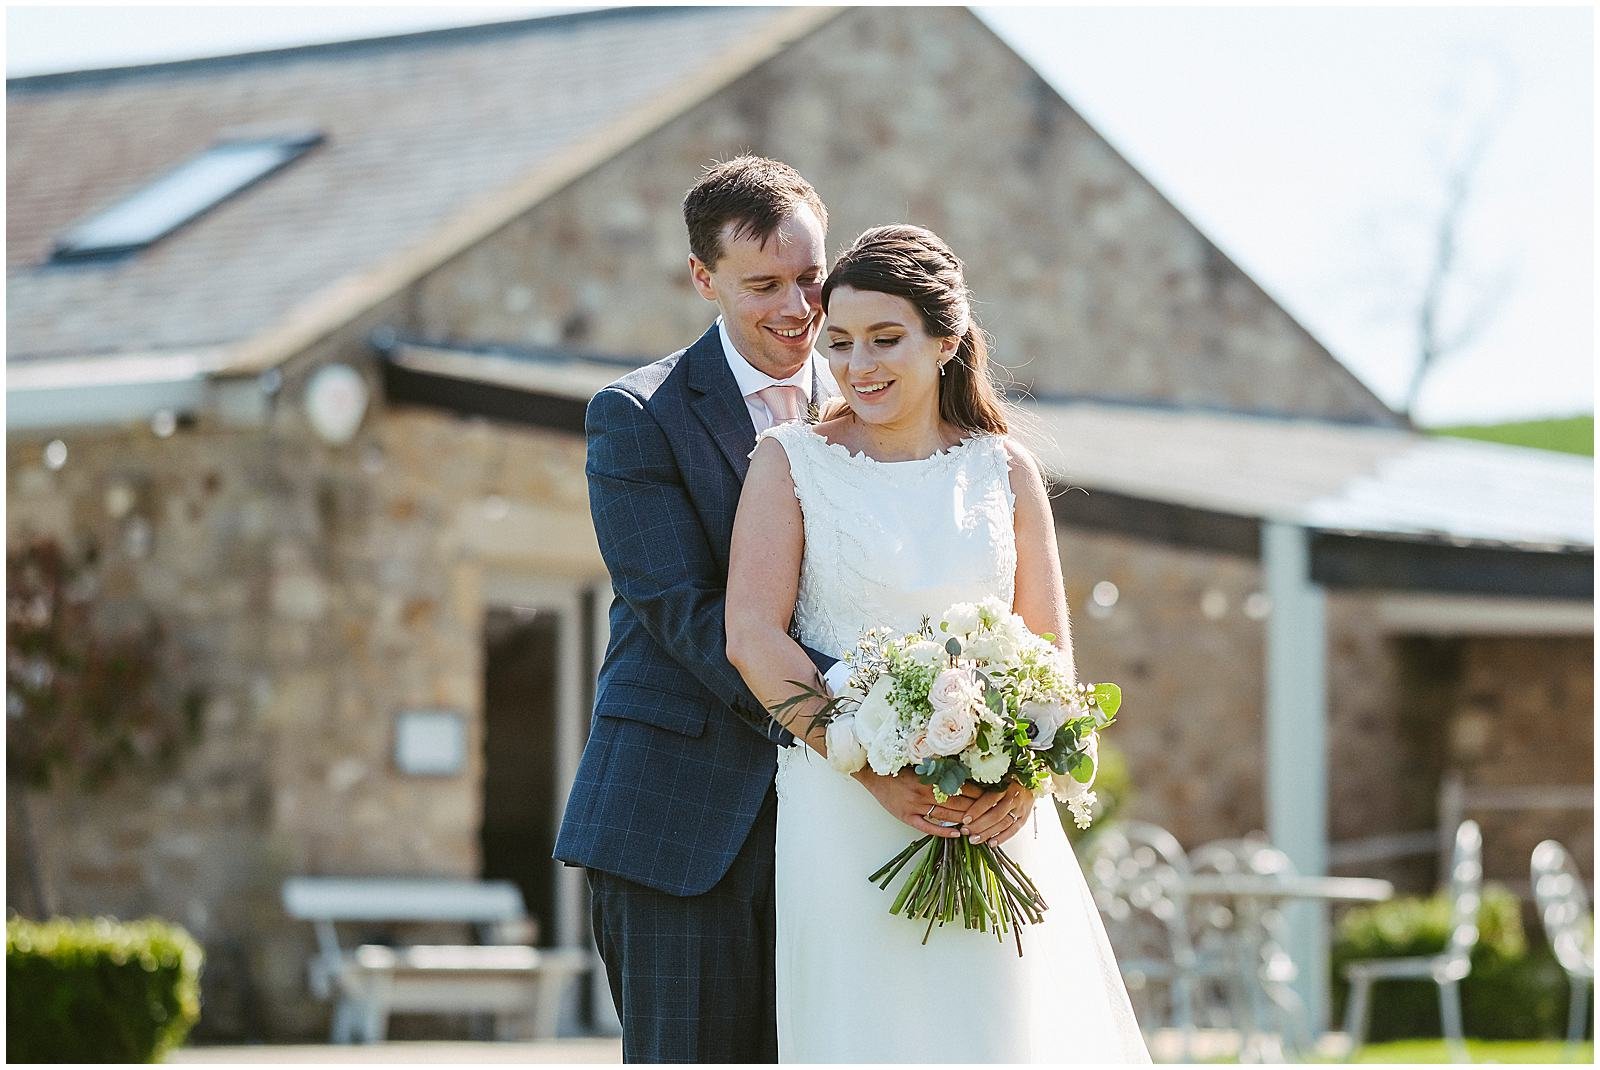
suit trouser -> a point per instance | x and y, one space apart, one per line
692 976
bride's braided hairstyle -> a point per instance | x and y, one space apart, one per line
915 263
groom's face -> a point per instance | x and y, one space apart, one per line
769 293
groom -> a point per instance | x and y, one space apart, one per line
673 810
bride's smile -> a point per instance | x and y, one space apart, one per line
887 364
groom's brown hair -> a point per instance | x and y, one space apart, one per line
754 192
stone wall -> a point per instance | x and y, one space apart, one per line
1524 717
1185 639
316 591
1192 684
1088 278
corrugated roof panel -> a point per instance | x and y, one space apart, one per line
1323 475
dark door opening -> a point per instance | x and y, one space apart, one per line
520 793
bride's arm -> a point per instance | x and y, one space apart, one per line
1040 600
763 577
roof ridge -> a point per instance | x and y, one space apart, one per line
440 35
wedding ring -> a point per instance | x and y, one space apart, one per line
929 815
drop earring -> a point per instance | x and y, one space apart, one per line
941 371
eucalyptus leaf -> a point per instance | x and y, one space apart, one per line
944 773
953 647
1108 699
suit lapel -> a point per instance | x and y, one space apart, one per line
823 388
720 406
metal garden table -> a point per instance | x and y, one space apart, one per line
1250 897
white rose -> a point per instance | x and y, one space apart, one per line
926 653
875 710
1047 718
961 619
986 768
845 752
955 689
917 748
952 730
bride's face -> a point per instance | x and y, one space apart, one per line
885 363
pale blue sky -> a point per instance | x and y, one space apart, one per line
1298 139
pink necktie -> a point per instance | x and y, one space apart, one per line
782 402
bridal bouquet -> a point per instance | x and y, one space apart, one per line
975 697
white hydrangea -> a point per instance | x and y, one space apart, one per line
991 611
996 648
961 619
1013 628
886 751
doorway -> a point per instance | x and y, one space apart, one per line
521 709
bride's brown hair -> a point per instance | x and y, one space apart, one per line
915 263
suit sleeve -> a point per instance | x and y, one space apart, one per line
656 550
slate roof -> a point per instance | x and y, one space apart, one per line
417 128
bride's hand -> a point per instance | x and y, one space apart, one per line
911 801
997 815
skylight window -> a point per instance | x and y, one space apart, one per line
182 194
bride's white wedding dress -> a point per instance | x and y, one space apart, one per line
887 543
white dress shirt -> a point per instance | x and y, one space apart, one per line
751 379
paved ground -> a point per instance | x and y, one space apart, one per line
569 1050
1209 1044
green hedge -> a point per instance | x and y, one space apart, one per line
1513 992
97 990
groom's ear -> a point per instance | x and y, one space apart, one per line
700 275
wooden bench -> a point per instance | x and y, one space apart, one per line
522 986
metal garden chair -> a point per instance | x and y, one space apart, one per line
1137 871
1446 969
1568 925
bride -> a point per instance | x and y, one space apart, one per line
908 496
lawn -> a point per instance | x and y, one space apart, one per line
1481 1051
1574 434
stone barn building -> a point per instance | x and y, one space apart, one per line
298 348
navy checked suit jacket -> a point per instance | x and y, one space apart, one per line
680 753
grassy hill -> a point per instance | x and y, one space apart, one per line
1571 434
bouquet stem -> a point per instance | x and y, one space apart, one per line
955 878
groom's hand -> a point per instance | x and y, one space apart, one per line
911 801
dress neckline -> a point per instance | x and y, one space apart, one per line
866 459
